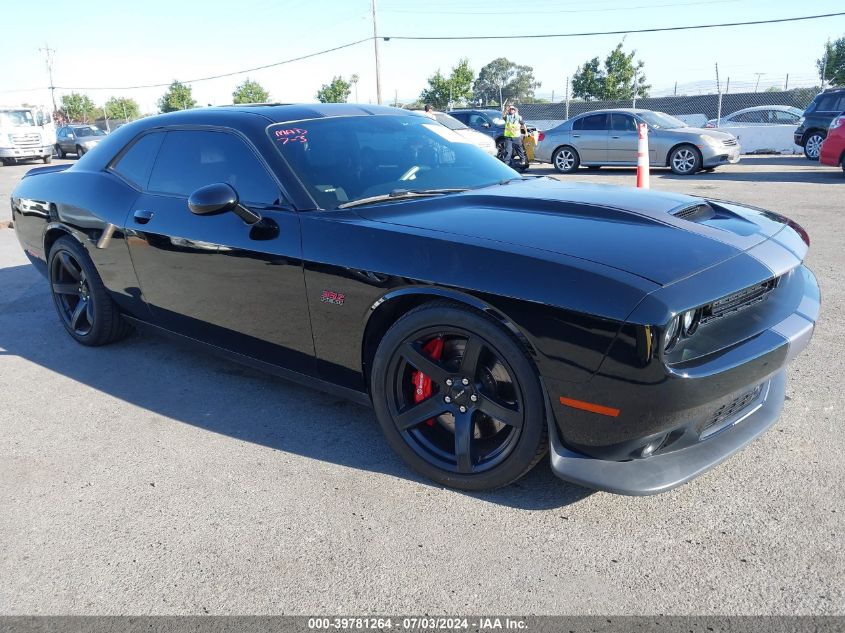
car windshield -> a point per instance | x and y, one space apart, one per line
88 130
344 159
16 118
449 121
660 120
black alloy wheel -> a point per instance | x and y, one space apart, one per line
480 424
82 302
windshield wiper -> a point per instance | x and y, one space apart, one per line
399 194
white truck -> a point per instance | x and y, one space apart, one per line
26 133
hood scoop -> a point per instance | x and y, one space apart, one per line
695 213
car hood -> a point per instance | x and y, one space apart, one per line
633 230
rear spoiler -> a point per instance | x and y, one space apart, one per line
49 169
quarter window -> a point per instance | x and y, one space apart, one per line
135 165
191 159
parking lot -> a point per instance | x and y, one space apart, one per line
143 478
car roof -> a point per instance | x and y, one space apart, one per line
277 112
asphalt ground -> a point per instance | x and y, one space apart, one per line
142 478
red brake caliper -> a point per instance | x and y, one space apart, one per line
422 383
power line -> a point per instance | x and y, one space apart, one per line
549 11
453 37
628 31
231 74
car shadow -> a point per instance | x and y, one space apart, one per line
191 387
801 170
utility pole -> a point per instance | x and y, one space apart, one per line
634 102
375 44
786 83
719 106
48 54
757 85
566 98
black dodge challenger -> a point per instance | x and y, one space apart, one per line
641 337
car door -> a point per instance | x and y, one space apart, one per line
589 136
65 140
213 277
622 140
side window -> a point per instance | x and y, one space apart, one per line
595 122
622 123
191 159
460 116
783 117
840 104
827 103
578 124
749 117
137 163
475 120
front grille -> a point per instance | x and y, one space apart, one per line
25 141
730 410
729 142
695 212
739 300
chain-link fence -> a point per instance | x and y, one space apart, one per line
694 110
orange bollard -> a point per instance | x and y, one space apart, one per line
642 156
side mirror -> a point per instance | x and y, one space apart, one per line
485 124
220 198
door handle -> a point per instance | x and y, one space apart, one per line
142 216
576 136
614 137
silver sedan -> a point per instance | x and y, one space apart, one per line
609 137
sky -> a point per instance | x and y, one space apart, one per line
103 44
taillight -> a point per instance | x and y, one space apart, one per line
709 124
837 122
541 136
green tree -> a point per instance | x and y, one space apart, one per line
832 63
78 107
502 80
178 97
617 79
443 92
250 92
335 92
122 108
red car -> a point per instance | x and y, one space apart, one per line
833 149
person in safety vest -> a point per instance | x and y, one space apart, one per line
513 131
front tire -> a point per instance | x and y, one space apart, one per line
813 145
79 152
60 151
479 424
47 159
82 302
566 159
685 160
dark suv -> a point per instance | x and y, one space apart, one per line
822 110
489 122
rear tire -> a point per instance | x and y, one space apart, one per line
492 429
82 302
60 151
566 159
813 145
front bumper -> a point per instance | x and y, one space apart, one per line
30 152
832 151
703 414
715 156
660 473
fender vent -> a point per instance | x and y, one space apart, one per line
695 213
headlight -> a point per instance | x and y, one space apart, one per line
671 334
712 140
6 140
91 143
689 322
